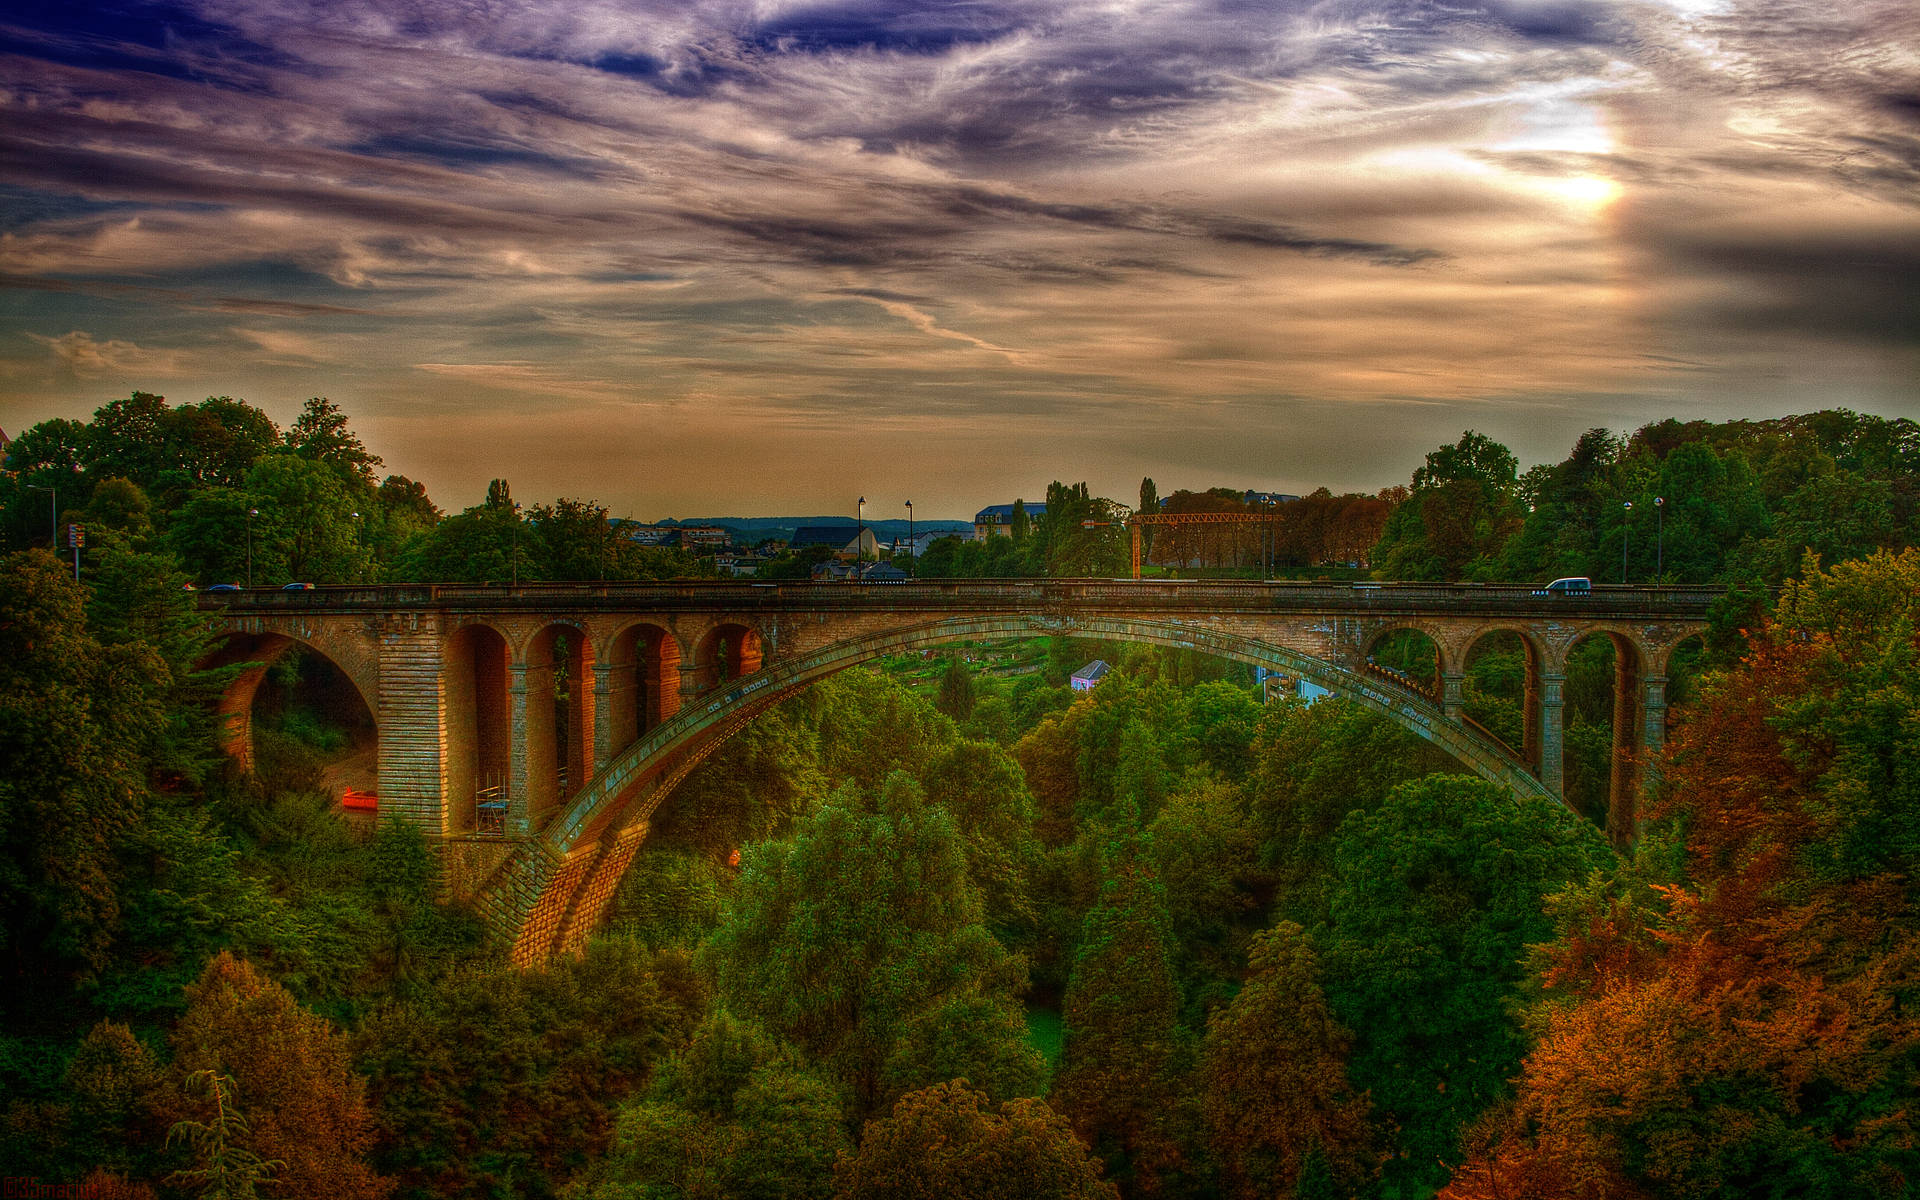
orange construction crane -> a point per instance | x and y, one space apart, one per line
1137 520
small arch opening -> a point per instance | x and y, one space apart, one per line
559 719
1500 692
1602 716
1409 658
643 685
474 690
726 653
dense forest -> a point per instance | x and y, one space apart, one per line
941 928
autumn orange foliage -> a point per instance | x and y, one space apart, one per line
1747 1029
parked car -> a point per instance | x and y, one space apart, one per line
1572 585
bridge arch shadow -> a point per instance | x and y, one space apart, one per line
553 890
342 683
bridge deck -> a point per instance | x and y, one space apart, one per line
1502 599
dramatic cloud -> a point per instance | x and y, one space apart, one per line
728 256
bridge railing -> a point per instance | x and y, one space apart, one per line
1256 595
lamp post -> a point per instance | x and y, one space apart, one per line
251 514
53 512
860 547
1626 533
910 546
1659 537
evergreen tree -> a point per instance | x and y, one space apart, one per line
943 1141
1274 1080
955 698
77 719
1122 1055
307 1108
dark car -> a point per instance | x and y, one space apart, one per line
296 587
223 587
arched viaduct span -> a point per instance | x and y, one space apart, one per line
533 730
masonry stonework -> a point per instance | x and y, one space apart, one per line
657 676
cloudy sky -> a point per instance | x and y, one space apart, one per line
701 257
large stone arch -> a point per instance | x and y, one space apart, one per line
553 892
256 645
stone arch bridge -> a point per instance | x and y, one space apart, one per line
533 730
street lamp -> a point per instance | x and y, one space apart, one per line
860 547
251 514
53 513
1626 533
910 546
1659 537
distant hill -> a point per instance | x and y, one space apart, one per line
755 529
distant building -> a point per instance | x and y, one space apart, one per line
1089 676
846 541
998 518
695 536
645 535
737 565
918 546
880 572
1267 499
1278 683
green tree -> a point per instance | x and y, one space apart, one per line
132 439
227 1169
1149 505
491 1080
1274 1080
1123 1054
944 1141
1440 891
321 433
139 602
839 937
76 718
118 506
733 1115
1203 850
1313 765
1080 536
219 440
983 787
307 1108
481 545
955 698
1459 516
306 529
